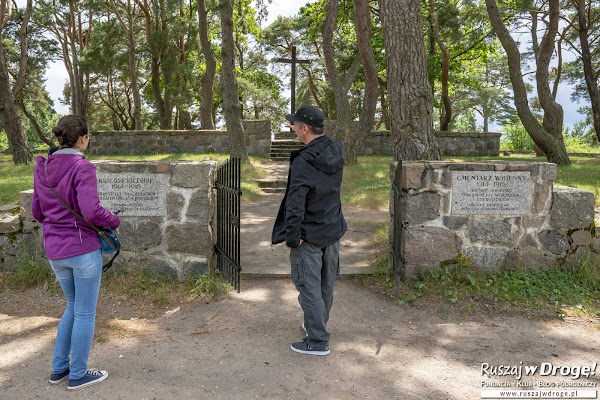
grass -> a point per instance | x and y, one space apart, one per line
367 184
556 292
14 179
29 271
118 285
159 289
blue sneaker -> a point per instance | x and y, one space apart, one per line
305 348
58 377
91 377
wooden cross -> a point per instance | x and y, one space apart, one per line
293 61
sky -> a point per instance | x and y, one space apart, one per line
56 75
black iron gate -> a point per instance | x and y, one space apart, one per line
398 225
228 221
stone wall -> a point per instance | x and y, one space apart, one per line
451 143
257 133
177 243
546 228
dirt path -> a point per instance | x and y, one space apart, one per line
258 256
238 348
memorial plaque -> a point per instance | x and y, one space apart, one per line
133 194
490 193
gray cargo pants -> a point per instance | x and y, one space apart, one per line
314 270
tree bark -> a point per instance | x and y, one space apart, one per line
362 23
162 105
588 70
340 93
19 145
549 135
409 93
229 89
208 79
129 29
447 114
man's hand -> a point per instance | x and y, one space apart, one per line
301 241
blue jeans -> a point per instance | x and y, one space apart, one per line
79 278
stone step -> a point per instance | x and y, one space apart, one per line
286 145
273 190
285 135
271 183
281 149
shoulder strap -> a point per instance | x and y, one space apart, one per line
94 227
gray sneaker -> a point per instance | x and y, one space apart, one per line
305 348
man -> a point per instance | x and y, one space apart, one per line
311 223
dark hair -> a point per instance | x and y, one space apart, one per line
69 129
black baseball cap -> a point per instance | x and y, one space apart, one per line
310 115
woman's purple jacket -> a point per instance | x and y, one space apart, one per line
74 179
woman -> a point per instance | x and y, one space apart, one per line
72 248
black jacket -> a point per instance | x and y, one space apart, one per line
311 209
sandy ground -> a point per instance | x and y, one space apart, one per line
238 348
258 256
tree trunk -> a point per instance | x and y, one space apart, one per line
129 29
447 114
383 101
75 41
550 141
409 93
229 89
162 107
588 70
342 104
19 145
362 21
208 79
33 121
135 89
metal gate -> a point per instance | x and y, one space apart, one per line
228 221
397 227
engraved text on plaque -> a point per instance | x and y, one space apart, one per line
133 194
490 192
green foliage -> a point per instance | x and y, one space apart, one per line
30 271
143 285
250 172
582 174
515 138
579 145
458 283
588 271
584 131
366 184
13 179
206 286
